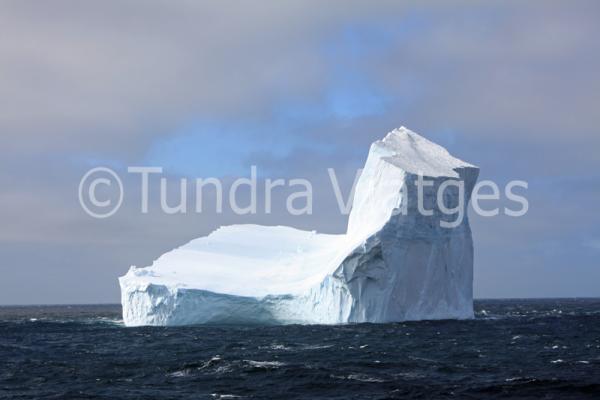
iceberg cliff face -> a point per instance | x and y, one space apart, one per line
394 263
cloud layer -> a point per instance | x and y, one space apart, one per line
293 87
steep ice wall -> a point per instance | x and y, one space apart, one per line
393 264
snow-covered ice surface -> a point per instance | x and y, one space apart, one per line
393 264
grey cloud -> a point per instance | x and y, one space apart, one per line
77 76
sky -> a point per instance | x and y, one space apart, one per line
207 89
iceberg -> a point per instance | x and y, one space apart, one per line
394 263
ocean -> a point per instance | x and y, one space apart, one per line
548 349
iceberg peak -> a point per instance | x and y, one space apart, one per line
417 155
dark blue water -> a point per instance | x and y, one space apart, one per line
513 349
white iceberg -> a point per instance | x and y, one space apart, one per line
389 266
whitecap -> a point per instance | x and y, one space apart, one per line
264 364
211 362
364 378
180 374
276 346
316 346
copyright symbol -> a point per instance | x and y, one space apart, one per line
104 181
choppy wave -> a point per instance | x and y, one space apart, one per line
513 349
